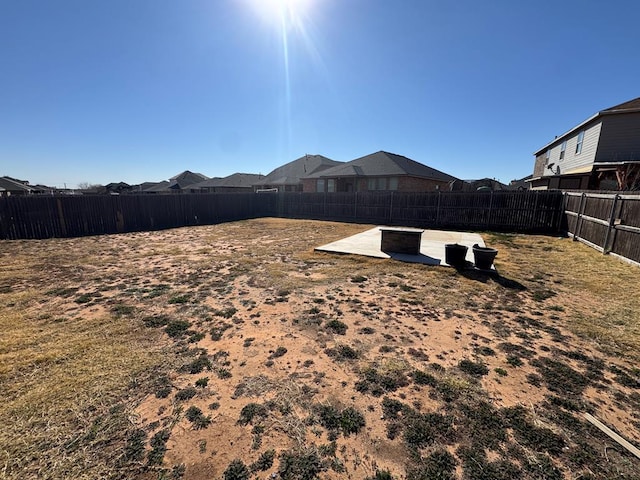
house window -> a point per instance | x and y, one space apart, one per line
547 156
382 183
563 147
320 185
580 141
331 185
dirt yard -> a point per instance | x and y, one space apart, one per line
235 351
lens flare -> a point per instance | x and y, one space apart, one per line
290 19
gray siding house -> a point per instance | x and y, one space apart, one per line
601 153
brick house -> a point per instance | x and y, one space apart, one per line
288 177
378 171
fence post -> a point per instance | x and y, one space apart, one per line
324 205
612 219
391 209
355 207
583 201
63 225
488 222
438 208
535 207
563 210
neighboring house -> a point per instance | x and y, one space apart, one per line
521 183
601 153
482 185
378 171
13 186
288 177
177 184
235 183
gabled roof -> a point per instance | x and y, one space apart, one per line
157 187
178 182
240 180
13 185
626 107
291 173
384 164
631 106
189 175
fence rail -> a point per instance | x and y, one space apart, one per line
34 217
609 223
500 211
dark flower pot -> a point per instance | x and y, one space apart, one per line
483 257
455 254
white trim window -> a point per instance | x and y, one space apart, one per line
320 185
331 185
547 156
563 148
580 142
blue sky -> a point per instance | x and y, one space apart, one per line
139 90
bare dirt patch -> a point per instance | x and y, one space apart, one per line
236 351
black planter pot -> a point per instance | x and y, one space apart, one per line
483 257
455 254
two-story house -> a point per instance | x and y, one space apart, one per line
601 153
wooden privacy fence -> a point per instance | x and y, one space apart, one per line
24 217
609 223
69 216
516 211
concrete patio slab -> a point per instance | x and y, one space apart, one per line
432 251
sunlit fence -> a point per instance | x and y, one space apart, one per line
33 217
609 223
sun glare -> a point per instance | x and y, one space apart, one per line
287 13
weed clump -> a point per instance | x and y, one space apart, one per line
439 465
475 369
134 448
336 326
198 365
278 352
236 470
264 461
158 447
559 377
251 411
300 465
342 352
186 394
347 421
177 328
226 312
424 378
155 321
381 475
197 418
537 438
378 382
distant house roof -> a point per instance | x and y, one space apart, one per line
632 106
177 182
157 187
383 164
14 185
292 172
185 179
238 180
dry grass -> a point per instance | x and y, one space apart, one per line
76 359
